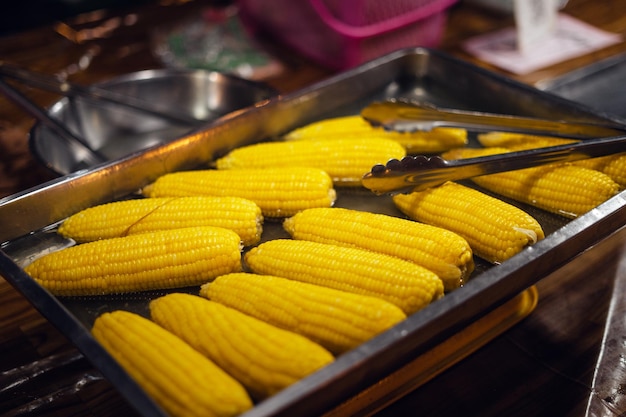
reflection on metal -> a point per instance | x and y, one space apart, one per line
608 397
599 85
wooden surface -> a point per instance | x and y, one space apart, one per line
541 367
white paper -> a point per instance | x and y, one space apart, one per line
570 38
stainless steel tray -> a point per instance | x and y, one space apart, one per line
28 219
599 85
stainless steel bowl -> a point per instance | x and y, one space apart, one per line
115 131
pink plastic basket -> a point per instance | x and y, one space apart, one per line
343 33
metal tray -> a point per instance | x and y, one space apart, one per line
599 85
28 219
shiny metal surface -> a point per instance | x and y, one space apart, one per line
115 131
70 89
408 117
415 173
59 129
27 220
599 85
608 396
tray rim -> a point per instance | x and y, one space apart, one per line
562 246
433 362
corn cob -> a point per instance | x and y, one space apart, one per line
436 140
564 189
405 284
148 261
178 378
266 358
612 165
279 192
519 140
332 127
122 218
494 229
337 320
439 250
344 159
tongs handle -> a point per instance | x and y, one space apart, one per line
94 93
82 147
414 173
407 116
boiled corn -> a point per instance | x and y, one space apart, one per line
177 377
494 229
437 140
332 127
612 165
344 159
122 218
519 140
338 320
439 250
405 284
564 189
263 357
279 192
148 261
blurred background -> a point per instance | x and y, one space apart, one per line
16 16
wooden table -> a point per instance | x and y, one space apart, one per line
541 367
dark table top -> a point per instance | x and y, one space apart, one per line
543 366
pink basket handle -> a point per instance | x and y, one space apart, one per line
381 27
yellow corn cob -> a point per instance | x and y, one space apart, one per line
439 250
405 284
130 217
279 192
332 127
564 189
148 261
494 229
436 140
176 376
263 357
344 159
337 320
612 165
519 140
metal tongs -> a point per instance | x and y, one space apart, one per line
92 93
414 173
